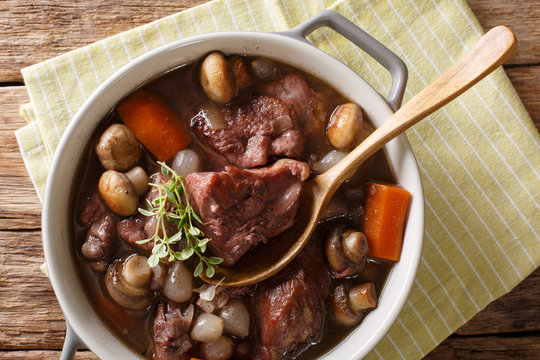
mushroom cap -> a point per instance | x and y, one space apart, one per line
118 149
126 294
344 126
342 309
216 78
118 193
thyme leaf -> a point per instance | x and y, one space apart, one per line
172 205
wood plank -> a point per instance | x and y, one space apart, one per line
526 81
31 316
31 32
517 311
522 16
36 31
523 347
19 205
40 354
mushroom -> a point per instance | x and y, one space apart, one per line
216 78
118 149
121 191
128 282
349 305
347 127
362 297
346 250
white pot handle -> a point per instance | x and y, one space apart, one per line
364 41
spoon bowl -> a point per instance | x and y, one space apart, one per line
491 51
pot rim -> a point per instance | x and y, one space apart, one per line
55 236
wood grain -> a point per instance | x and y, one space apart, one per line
34 31
19 206
488 348
525 80
41 354
32 325
31 316
31 32
522 16
518 311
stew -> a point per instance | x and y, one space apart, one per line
200 167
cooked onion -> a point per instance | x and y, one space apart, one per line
327 161
263 68
212 115
207 328
236 318
186 161
222 349
179 283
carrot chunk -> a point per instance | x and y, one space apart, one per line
385 215
154 123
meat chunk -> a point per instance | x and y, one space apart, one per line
92 208
290 307
132 231
294 90
171 332
251 132
242 208
139 227
98 238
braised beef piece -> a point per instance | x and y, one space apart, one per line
251 130
92 207
98 238
294 90
290 308
242 208
171 332
139 227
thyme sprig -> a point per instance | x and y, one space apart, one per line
172 205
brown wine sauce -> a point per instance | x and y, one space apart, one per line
134 328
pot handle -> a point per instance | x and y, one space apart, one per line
363 40
71 343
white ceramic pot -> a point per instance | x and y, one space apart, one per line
288 47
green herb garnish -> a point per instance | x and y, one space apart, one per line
172 205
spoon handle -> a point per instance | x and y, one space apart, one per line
491 51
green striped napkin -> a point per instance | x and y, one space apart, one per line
479 156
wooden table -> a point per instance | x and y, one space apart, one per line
31 322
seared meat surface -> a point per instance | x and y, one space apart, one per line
290 307
293 90
242 208
139 227
98 238
171 332
251 131
92 207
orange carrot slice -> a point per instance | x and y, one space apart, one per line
385 215
154 123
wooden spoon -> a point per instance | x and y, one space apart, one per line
491 51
